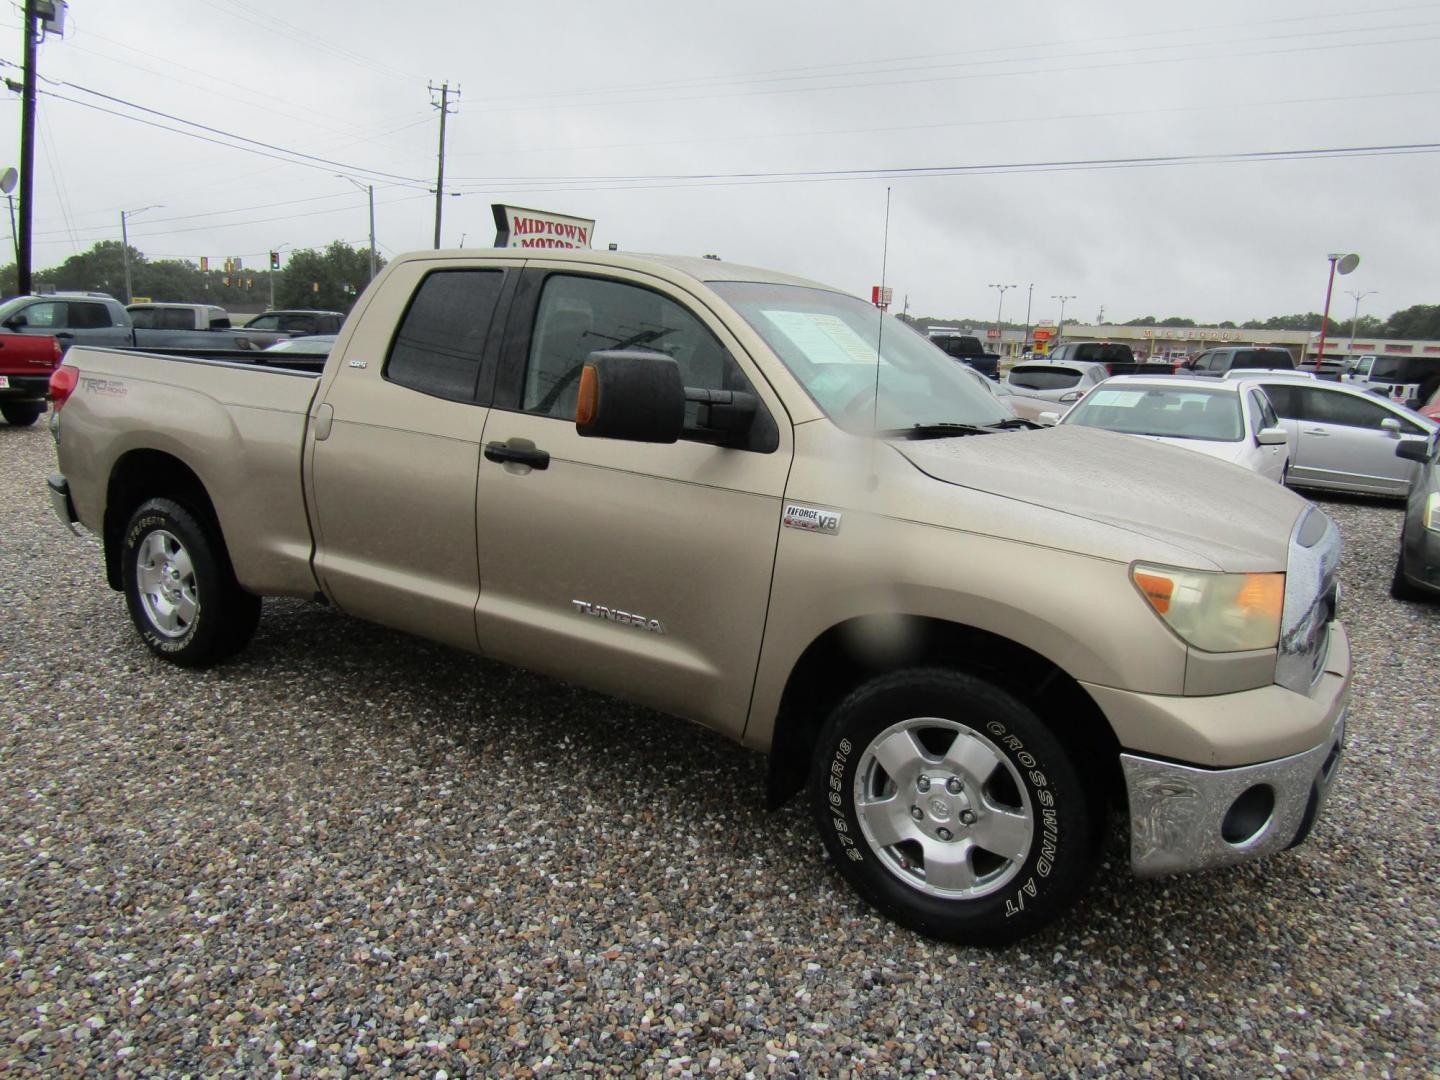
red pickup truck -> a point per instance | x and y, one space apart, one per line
26 361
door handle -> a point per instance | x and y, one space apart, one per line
1318 431
520 455
63 336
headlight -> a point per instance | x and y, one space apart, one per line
1215 612
1432 511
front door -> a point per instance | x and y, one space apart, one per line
395 449
637 569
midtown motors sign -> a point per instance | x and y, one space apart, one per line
516 226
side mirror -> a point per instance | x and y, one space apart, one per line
1413 449
1271 436
1391 425
15 322
1048 419
633 395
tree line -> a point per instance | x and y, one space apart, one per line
1422 321
329 279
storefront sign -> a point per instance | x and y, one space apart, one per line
517 227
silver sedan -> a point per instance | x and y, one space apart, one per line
1343 439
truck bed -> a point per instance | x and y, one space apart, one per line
239 427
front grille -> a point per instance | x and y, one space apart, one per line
1312 596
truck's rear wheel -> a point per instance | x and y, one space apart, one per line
21 415
951 808
181 592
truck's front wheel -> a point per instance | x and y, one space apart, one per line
950 807
181 592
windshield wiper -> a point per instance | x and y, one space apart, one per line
936 431
1015 422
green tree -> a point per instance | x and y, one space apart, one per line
1420 321
1176 320
1144 320
329 279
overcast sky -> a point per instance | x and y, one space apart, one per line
612 110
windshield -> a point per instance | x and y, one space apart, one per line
828 342
1213 415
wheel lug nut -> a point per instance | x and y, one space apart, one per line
944 834
954 786
967 817
916 813
923 783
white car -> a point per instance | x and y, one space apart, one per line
1233 421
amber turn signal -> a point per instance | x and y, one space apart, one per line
588 402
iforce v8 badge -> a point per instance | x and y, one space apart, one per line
811 519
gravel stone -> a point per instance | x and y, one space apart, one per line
353 852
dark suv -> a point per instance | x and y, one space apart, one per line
967 349
1217 362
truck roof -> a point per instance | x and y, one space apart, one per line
693 267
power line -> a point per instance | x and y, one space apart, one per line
586 101
647 183
992 122
760 76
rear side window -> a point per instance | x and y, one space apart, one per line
1262 358
441 340
581 315
176 319
1046 377
143 318
88 316
1103 352
264 322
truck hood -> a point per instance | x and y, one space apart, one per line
1226 516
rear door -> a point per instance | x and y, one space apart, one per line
637 569
394 450
91 323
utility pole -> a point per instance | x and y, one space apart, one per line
444 107
23 284
1060 330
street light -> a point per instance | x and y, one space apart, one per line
999 309
369 191
1029 295
1060 330
1342 264
125 243
1356 317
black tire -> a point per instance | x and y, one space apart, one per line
21 415
189 610
1021 770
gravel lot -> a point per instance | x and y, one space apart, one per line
352 851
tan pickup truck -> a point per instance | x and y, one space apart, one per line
755 502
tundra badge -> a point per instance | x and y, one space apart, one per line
624 618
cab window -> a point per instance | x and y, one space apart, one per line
440 344
580 315
88 316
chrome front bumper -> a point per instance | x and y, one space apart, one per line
1183 818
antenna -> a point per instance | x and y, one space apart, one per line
880 333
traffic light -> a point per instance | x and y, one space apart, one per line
274 260
225 281
204 264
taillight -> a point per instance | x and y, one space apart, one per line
62 384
